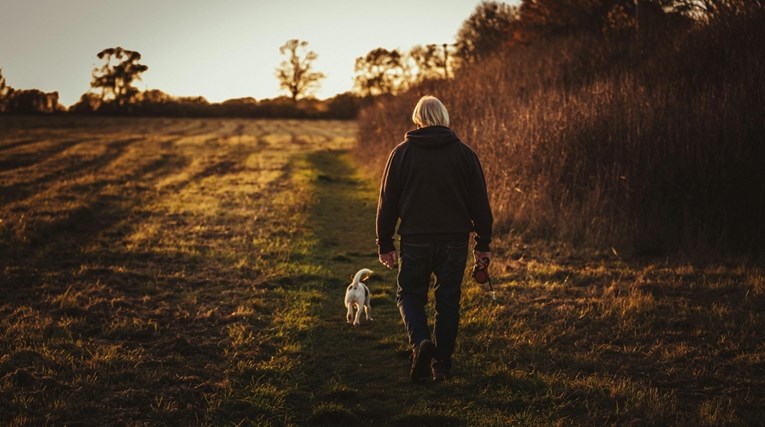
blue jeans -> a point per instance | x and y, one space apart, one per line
418 261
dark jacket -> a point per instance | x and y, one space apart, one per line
434 183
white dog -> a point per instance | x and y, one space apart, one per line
357 297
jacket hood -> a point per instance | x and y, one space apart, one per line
432 136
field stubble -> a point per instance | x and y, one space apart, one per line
191 271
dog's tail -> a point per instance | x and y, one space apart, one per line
360 274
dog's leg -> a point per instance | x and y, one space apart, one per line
357 321
367 303
349 314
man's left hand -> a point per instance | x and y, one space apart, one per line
482 259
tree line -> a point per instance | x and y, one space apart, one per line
113 92
27 100
379 72
492 27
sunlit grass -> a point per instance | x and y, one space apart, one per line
149 257
204 284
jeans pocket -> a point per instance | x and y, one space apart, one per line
414 261
457 254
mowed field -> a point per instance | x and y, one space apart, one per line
191 272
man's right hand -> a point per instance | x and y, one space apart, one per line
389 259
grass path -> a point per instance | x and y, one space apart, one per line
357 375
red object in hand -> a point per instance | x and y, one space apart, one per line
481 275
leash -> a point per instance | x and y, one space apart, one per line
493 294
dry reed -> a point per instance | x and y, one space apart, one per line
651 147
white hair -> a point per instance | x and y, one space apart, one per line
429 111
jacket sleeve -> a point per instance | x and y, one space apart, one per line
387 205
480 210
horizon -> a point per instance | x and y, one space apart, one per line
211 50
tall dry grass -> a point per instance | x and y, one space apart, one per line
649 146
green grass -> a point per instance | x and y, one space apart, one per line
195 275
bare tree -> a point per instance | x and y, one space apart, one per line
115 78
296 72
381 71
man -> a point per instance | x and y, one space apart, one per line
435 185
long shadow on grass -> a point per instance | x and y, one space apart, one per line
66 168
53 244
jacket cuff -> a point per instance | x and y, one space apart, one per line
385 246
481 245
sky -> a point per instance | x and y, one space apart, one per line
219 49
